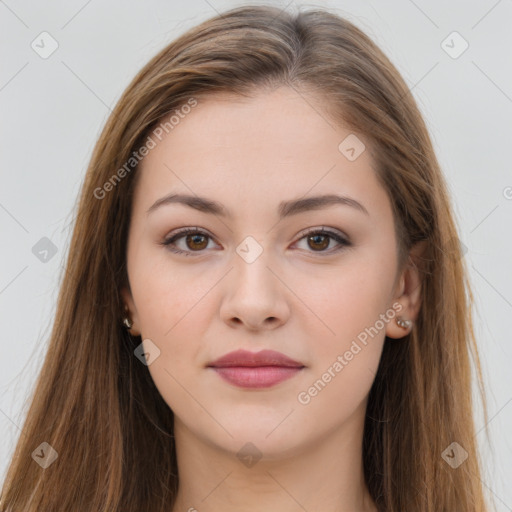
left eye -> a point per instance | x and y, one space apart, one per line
197 240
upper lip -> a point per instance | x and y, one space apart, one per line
262 358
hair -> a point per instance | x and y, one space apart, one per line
98 406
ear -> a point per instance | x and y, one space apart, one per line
408 292
130 310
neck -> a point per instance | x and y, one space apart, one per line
325 476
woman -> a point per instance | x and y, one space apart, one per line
265 305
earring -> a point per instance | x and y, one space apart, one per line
405 324
127 323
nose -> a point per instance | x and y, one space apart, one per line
255 297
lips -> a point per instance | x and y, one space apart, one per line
262 369
245 358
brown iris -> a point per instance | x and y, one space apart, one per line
314 239
194 238
319 241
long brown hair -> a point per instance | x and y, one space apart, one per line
96 405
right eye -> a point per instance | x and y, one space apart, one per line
192 236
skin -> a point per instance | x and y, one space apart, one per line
299 297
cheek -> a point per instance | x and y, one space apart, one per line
171 308
166 295
346 357
349 341
347 304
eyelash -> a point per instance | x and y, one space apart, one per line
194 231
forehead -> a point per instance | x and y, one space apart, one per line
242 151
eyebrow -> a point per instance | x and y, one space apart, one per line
285 209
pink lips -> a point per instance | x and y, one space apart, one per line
255 369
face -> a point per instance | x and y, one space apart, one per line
315 284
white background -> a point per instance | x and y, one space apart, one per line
52 110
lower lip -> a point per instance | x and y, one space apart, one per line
257 376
